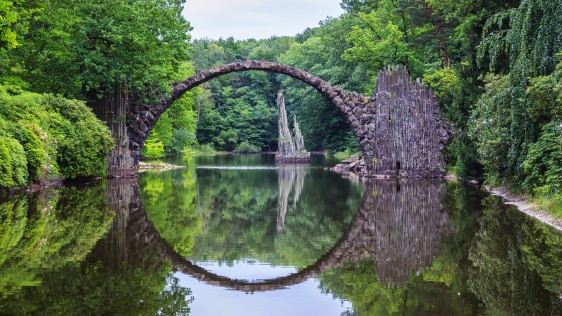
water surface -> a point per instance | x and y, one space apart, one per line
237 235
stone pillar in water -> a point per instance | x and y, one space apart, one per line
286 147
290 149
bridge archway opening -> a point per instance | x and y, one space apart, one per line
329 92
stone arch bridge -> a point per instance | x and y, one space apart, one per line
399 225
399 130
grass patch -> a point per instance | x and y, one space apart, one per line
551 204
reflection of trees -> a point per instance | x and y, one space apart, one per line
170 200
122 275
517 263
513 266
403 230
128 263
48 231
290 179
241 214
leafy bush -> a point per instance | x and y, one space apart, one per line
13 164
32 137
181 139
82 140
44 136
153 147
543 166
490 127
246 147
206 148
227 139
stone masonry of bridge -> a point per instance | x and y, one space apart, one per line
399 225
399 130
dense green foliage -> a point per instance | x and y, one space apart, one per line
87 50
55 260
530 38
46 136
492 64
51 230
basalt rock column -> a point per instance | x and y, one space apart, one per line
113 109
299 140
290 150
407 129
286 147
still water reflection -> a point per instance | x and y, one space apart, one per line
235 235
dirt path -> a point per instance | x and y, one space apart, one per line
523 204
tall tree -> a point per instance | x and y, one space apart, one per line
106 52
530 36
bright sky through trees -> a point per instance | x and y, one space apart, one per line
259 19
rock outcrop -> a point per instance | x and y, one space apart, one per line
290 149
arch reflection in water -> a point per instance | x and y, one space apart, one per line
399 224
495 260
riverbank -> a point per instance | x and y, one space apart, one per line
157 165
33 188
523 203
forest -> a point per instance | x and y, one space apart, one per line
495 67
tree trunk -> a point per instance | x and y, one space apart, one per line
446 60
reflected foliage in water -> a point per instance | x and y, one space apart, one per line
170 200
421 229
48 231
61 265
491 254
517 263
286 216
397 247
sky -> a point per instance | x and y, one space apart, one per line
259 19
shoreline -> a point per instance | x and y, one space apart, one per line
522 203
160 166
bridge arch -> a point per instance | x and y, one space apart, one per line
335 94
142 119
400 130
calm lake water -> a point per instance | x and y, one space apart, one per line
237 235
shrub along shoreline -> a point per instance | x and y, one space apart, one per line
45 138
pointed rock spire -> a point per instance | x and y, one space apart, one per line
290 149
